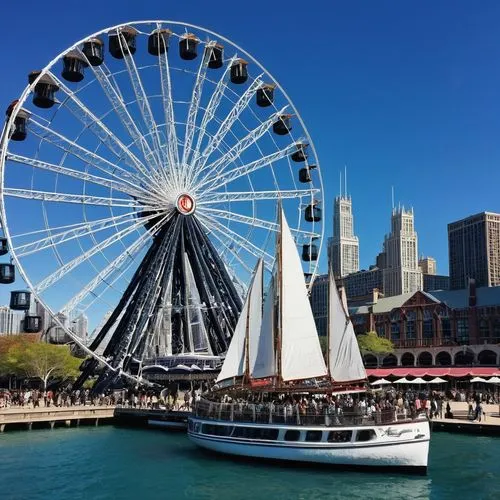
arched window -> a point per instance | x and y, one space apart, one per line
484 328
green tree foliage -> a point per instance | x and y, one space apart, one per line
323 342
37 360
371 343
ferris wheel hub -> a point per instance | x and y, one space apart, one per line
185 204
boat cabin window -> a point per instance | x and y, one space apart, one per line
217 430
365 435
256 433
292 435
339 436
314 436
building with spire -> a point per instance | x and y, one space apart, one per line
402 273
344 246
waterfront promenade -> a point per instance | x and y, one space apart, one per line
25 417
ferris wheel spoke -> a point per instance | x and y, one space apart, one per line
256 222
211 109
83 229
76 174
214 198
235 152
116 100
193 109
82 199
227 247
226 124
105 275
95 125
239 240
74 263
72 148
225 178
146 113
168 110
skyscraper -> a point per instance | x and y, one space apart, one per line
344 246
474 250
401 274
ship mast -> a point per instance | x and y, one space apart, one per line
280 298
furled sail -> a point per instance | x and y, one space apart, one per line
345 361
301 356
261 341
249 324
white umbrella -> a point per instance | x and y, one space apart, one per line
478 379
382 381
493 380
437 380
403 380
418 380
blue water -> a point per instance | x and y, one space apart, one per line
116 463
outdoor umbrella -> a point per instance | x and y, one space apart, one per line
418 380
382 381
403 380
478 379
493 380
437 380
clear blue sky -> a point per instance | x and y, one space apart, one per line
404 93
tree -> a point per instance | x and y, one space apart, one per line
45 361
371 343
11 349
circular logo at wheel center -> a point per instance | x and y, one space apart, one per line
185 204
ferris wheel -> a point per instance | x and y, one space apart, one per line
141 172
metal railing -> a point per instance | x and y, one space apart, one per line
270 413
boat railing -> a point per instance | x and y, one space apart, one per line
270 413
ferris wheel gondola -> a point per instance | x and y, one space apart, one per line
140 184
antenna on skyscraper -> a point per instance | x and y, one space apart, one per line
345 179
392 192
340 191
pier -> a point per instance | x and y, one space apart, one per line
27 418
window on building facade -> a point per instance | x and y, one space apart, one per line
428 329
496 328
411 325
380 329
484 328
446 328
462 331
395 330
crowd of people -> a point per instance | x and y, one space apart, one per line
378 406
36 398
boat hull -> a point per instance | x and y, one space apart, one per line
390 448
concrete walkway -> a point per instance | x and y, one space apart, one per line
52 415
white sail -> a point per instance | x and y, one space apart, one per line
261 341
250 320
301 355
346 363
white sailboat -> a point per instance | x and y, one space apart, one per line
275 354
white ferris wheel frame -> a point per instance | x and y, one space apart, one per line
36 290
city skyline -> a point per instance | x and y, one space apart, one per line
421 124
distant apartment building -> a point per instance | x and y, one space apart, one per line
434 282
362 283
319 303
427 265
10 321
474 250
344 246
401 273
